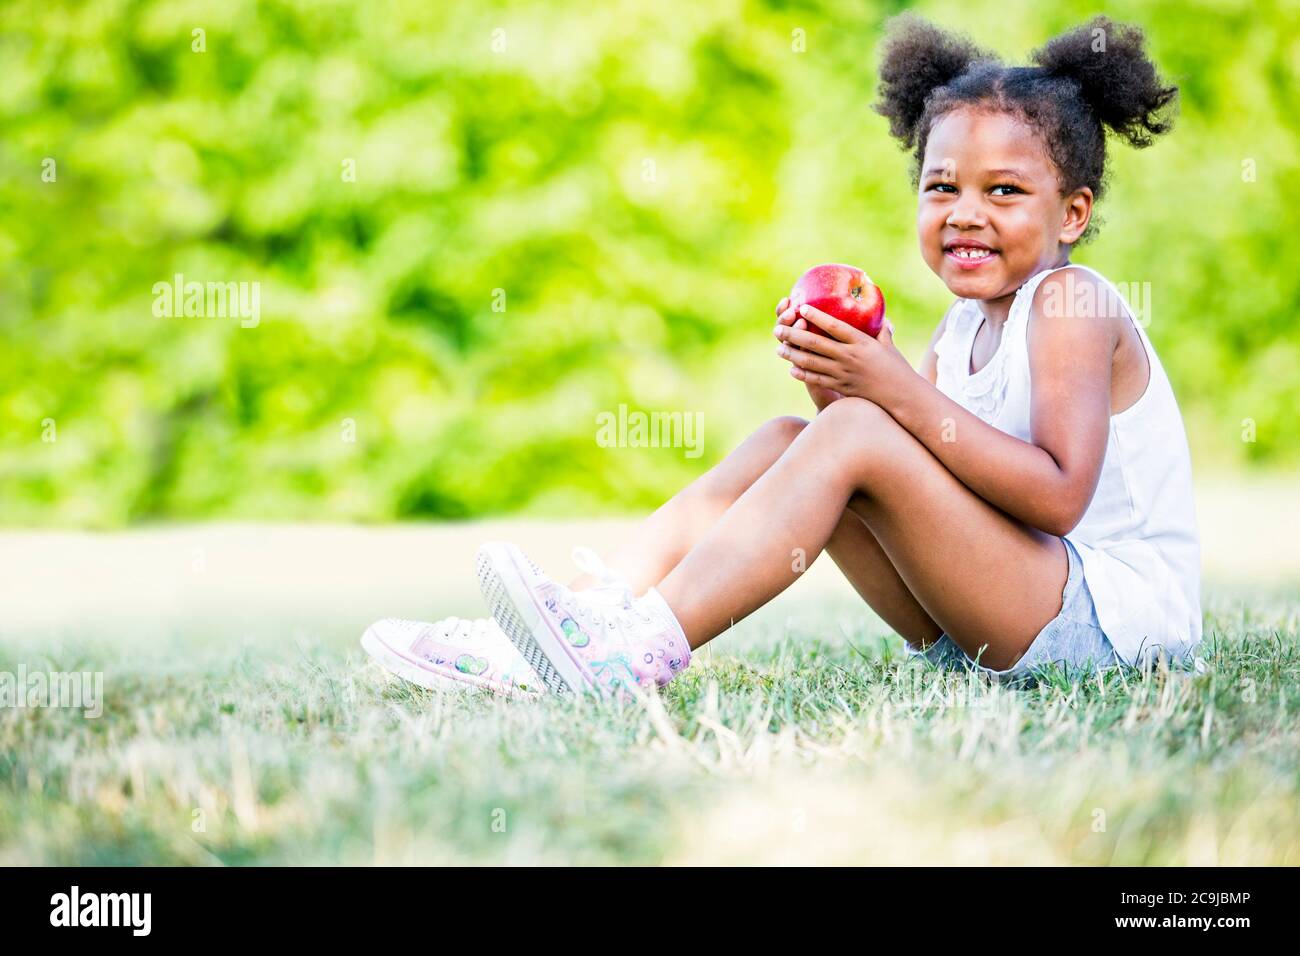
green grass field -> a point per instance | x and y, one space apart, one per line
798 738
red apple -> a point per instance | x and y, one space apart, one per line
844 292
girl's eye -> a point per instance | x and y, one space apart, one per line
949 187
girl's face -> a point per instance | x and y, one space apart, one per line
988 185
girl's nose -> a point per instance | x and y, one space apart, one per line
966 213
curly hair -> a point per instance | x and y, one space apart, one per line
1094 77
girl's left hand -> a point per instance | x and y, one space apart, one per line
849 362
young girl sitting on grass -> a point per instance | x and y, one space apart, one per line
1023 497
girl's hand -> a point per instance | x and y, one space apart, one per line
850 362
821 397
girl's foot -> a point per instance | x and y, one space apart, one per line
601 639
453 653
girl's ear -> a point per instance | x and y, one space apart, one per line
1078 210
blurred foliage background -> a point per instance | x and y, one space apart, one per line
637 183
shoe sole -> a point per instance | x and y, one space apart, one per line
517 613
392 659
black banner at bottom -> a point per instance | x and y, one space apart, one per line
305 905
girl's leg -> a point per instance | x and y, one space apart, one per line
854 549
991 582
664 538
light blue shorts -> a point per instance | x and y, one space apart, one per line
1073 639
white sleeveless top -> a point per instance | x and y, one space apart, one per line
1138 539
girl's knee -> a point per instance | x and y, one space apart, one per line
784 430
858 411
857 437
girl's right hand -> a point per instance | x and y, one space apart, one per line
787 315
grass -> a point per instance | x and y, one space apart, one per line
791 741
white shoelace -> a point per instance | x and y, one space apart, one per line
465 629
613 587
613 591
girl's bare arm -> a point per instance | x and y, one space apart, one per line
1049 481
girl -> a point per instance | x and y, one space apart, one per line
1023 497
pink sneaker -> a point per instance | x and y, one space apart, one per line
601 639
453 653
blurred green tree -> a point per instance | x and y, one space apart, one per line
474 227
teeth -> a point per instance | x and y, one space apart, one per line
969 253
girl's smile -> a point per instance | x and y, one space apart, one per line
968 254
